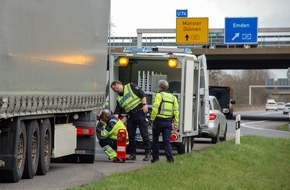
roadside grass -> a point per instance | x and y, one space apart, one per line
284 127
257 163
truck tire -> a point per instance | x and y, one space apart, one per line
15 174
87 159
45 147
32 153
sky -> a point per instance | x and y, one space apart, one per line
129 15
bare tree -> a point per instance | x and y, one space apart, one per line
216 77
254 77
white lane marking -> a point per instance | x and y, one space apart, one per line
247 125
269 113
254 122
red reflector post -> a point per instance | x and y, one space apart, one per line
85 131
174 136
121 144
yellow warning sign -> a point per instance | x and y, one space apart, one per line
192 30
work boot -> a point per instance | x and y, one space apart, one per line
117 160
154 160
147 157
131 157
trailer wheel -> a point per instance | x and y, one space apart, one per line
32 155
185 146
179 147
15 174
45 147
188 143
192 143
87 159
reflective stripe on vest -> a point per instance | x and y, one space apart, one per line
118 124
165 109
129 100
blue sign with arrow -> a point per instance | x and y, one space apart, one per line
181 13
241 30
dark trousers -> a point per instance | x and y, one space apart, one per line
164 127
111 142
135 120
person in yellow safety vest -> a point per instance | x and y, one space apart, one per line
164 111
132 100
107 129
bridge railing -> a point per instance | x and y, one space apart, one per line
267 37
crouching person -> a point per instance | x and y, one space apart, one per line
107 130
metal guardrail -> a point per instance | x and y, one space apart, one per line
267 37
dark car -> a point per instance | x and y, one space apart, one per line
224 95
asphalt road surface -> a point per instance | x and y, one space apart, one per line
65 175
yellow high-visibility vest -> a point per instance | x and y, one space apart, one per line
129 100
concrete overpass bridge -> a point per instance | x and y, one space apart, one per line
271 52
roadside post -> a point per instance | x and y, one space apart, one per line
238 126
288 76
121 144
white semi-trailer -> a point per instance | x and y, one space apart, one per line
53 58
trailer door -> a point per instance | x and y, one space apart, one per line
188 103
204 97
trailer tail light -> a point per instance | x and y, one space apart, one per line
212 116
85 131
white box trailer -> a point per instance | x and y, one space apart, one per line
188 81
53 58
